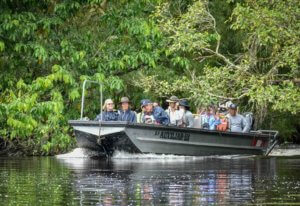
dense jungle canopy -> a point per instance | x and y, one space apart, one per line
207 51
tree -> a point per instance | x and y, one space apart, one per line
207 51
263 75
49 47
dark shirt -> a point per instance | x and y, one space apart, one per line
160 116
107 116
128 116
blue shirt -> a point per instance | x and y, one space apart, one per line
128 116
107 116
160 116
211 121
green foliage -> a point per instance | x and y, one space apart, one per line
207 51
262 74
47 49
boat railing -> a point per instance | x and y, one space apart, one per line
83 97
273 139
271 133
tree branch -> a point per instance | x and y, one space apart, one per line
215 29
227 98
225 59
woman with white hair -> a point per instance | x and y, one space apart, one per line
108 113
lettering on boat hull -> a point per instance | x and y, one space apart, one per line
181 136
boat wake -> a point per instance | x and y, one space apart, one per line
124 155
121 155
76 153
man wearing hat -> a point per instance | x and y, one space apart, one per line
236 122
125 113
154 115
172 111
187 119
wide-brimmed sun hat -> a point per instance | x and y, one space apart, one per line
173 99
125 100
184 103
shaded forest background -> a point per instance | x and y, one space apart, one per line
207 51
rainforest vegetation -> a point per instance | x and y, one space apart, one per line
207 51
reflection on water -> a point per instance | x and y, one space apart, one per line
149 181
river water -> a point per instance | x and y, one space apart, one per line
150 180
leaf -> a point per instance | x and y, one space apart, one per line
2 46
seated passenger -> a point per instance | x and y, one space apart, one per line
198 118
148 117
108 114
154 115
185 115
223 120
140 115
155 104
160 116
125 113
215 121
236 122
172 110
222 109
211 120
202 116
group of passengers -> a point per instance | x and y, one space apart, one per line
224 118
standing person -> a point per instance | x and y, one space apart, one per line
186 115
172 111
108 114
236 122
140 115
125 113
154 115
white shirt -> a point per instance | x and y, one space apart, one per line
173 115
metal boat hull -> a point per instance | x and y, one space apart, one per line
107 137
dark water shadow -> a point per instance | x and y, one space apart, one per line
145 181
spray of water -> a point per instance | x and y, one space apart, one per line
125 155
76 153
121 155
